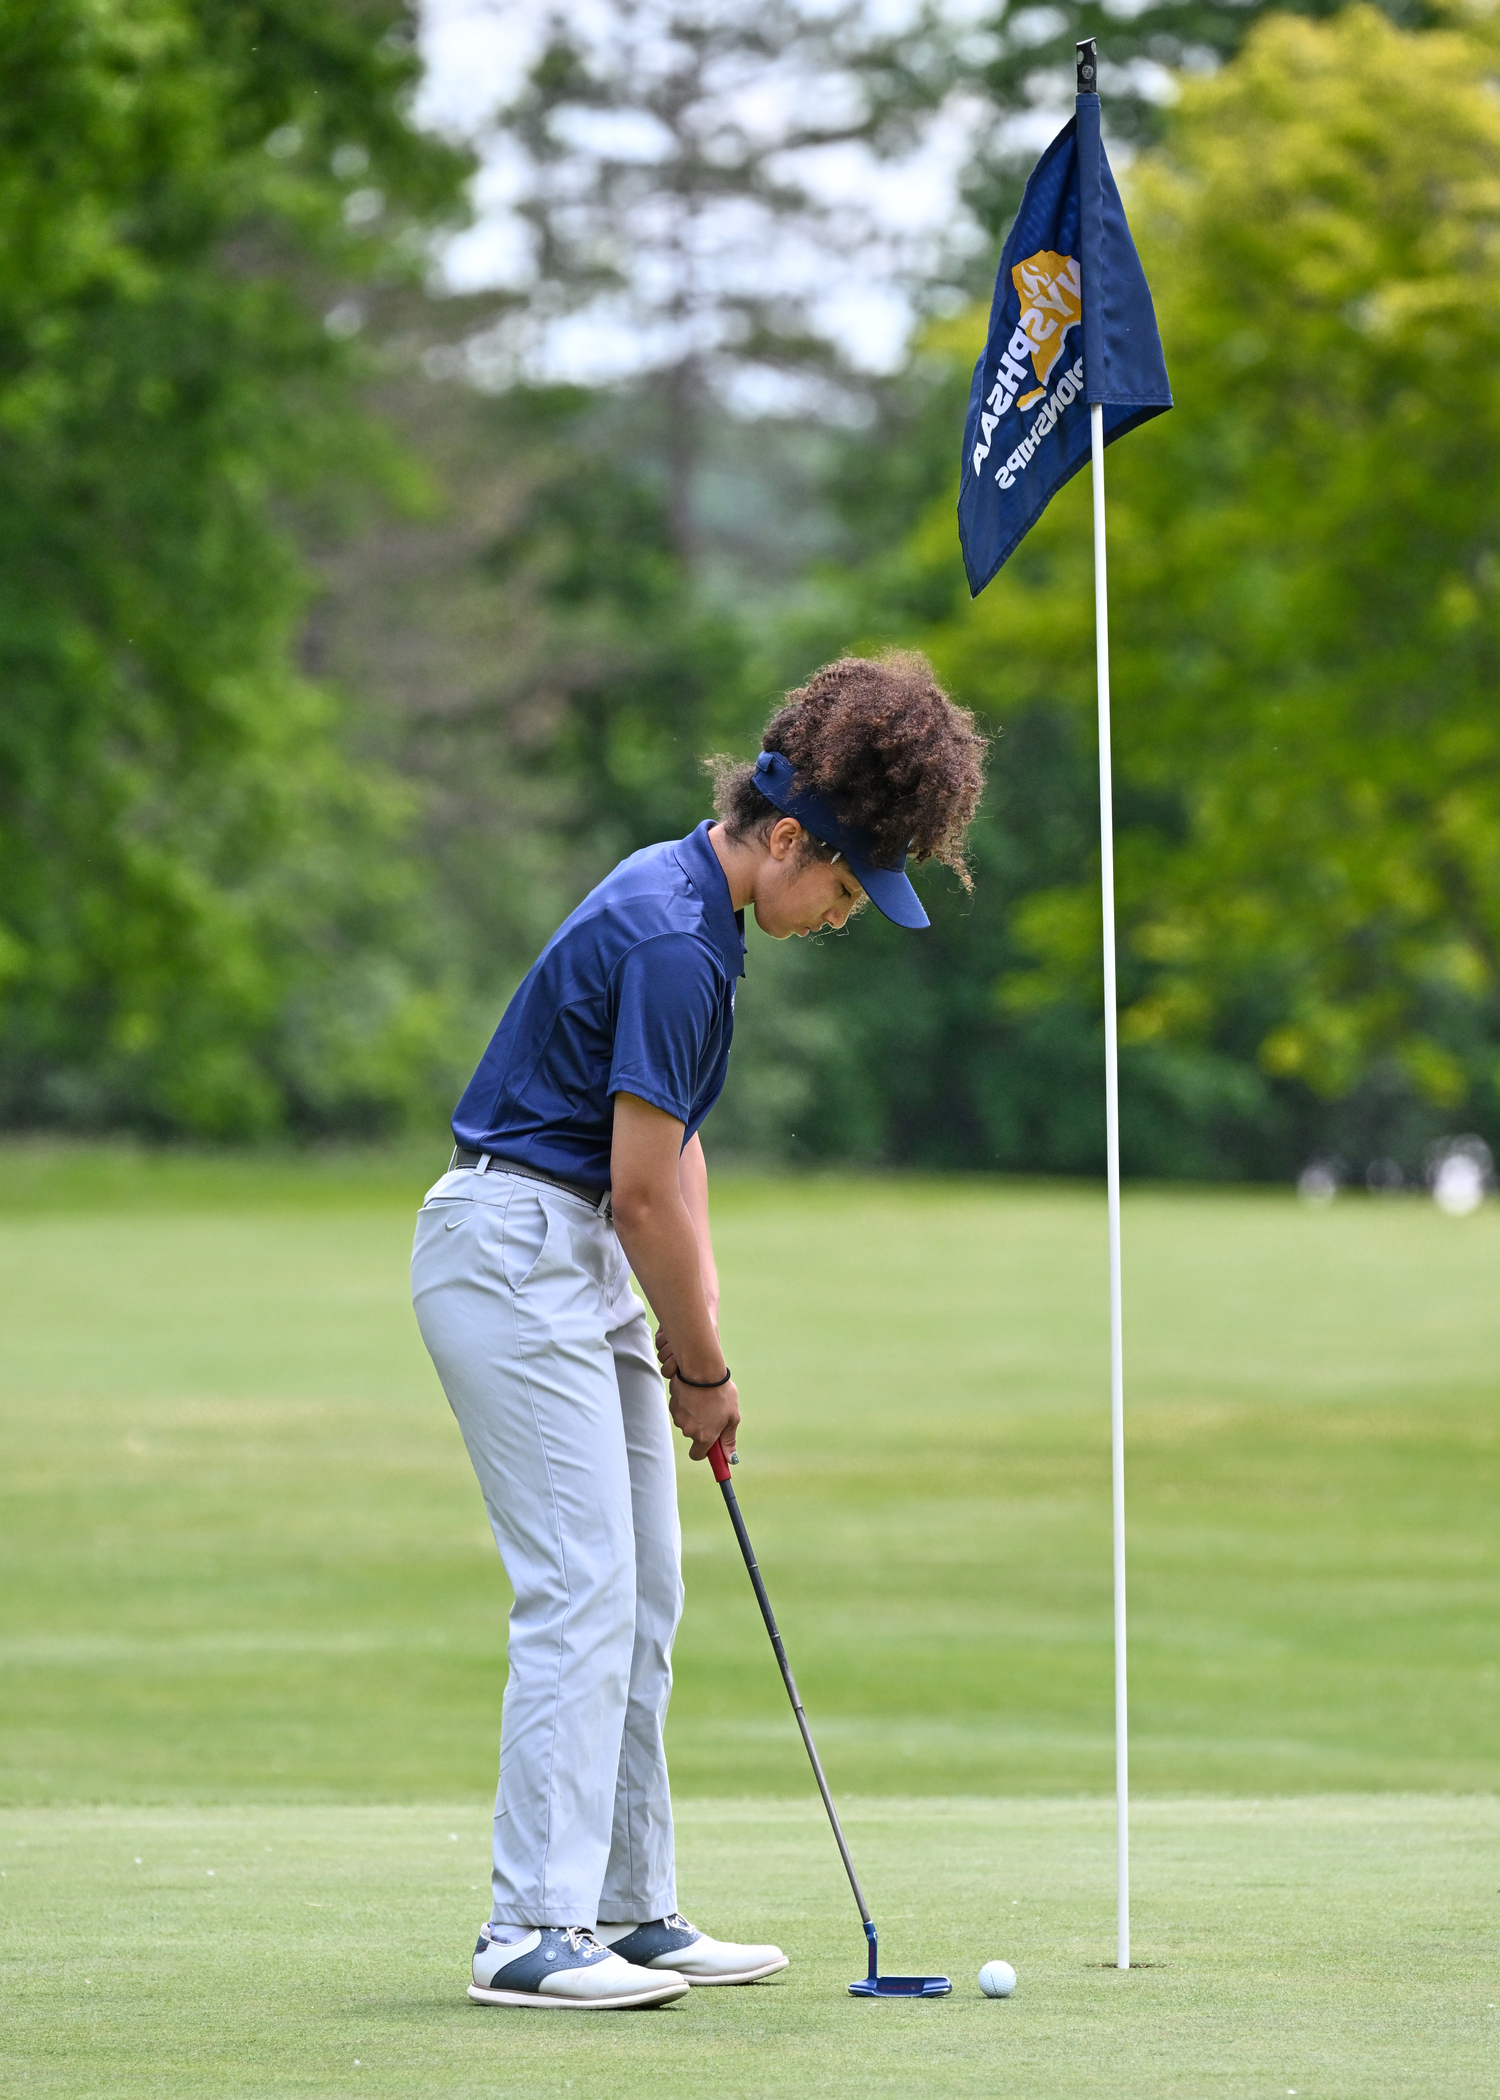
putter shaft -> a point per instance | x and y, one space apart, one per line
720 1465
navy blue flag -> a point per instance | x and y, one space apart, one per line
1072 323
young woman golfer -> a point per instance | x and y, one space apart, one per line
578 1162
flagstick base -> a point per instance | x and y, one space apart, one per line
1112 1147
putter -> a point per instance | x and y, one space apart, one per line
872 1985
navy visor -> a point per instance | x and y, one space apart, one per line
887 888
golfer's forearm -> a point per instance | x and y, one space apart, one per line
692 1179
662 1248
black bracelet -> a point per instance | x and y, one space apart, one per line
704 1385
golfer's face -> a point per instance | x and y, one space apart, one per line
805 898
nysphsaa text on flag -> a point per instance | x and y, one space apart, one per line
1071 323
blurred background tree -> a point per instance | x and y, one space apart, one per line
1304 587
351 628
207 920
1021 60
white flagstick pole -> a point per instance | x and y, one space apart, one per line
1112 1148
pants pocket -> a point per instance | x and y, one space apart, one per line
523 1237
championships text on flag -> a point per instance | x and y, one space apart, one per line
1071 324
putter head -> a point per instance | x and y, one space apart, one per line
900 1987
875 1986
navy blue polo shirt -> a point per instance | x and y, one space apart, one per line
634 994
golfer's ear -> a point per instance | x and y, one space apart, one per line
781 840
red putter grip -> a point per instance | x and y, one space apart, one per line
717 1460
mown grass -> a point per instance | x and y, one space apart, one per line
1335 1947
242 1556
252 1629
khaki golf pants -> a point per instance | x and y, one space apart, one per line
523 1297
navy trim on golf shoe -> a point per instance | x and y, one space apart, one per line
648 1943
560 1947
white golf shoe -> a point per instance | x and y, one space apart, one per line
567 1970
672 1944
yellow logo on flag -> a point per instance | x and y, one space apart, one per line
1051 293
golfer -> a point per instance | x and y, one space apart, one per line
578 1162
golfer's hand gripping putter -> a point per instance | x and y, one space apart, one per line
872 1985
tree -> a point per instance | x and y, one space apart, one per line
533 654
1305 583
206 920
1023 58
615 556
670 154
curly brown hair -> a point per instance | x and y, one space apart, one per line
883 744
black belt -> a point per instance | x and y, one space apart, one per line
596 1199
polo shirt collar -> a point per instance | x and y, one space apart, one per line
701 865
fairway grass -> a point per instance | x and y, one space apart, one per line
243 1557
1342 1948
252 1626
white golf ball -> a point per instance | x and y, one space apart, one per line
997 1979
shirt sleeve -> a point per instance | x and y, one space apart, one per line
667 1008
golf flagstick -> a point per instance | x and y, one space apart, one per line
1112 1154
1068 270
872 1985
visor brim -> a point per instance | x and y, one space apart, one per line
891 894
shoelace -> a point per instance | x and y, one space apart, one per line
580 1938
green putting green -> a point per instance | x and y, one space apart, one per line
246 1587
1339 1947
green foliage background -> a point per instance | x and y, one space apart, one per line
206 909
1305 603
331 679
